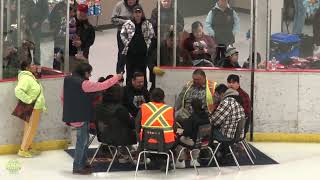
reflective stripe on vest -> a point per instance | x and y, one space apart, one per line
210 90
157 116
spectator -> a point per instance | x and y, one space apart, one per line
135 94
146 119
198 117
57 19
79 46
199 88
222 23
201 48
226 117
78 109
136 36
231 59
166 19
121 13
299 16
37 12
114 118
29 91
234 83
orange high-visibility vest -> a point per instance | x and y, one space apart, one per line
158 115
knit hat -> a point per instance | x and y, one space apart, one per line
83 8
230 92
231 51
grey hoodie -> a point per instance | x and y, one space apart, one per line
121 13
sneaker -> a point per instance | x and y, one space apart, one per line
25 154
316 50
195 162
34 152
180 164
85 171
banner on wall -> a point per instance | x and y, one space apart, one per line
94 7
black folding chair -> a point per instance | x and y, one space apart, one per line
157 147
102 127
204 140
237 139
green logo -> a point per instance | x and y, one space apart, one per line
13 166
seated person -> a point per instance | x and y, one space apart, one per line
113 118
199 88
135 94
198 117
234 83
146 119
231 60
226 117
200 47
166 52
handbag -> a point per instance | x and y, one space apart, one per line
23 110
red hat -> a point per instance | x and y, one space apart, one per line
83 8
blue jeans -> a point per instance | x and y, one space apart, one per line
217 135
299 17
80 154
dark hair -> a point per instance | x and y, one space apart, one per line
24 65
196 105
113 94
157 95
137 74
81 70
199 72
196 25
221 88
101 79
233 78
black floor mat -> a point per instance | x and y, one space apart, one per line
102 161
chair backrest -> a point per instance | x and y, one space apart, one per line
103 124
240 129
204 133
152 139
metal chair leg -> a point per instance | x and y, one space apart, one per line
110 151
145 160
247 152
130 154
214 157
95 154
115 155
250 149
193 161
180 153
91 140
168 160
234 157
173 161
137 166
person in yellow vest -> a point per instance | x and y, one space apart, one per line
156 114
199 88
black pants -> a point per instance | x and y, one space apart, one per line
316 27
121 59
221 50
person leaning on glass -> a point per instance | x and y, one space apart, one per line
29 90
